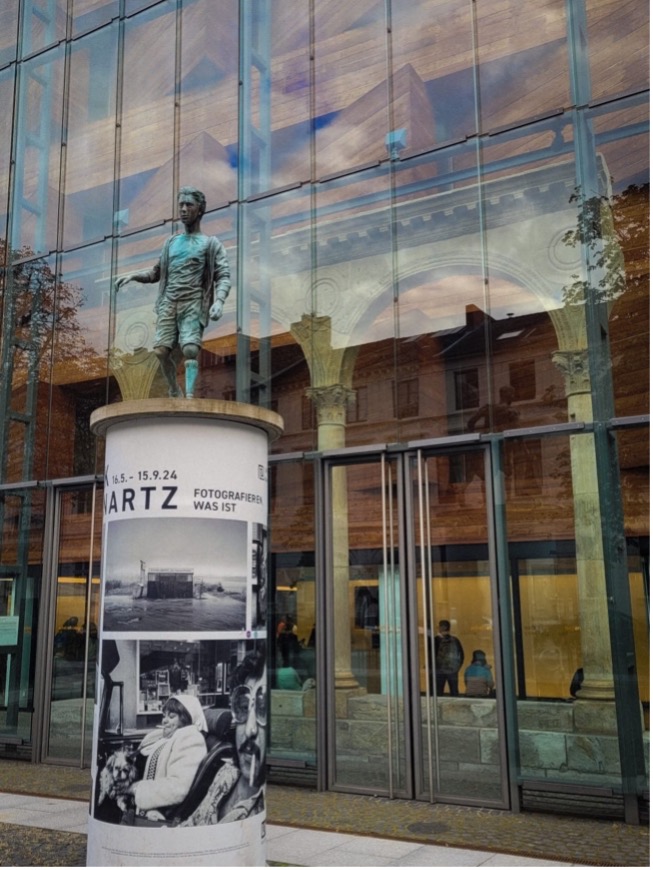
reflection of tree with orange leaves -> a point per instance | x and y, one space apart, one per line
42 344
42 316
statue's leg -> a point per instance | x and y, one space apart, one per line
191 352
169 369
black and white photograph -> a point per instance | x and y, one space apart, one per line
259 575
182 729
176 574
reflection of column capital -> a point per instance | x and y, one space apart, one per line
311 328
574 364
331 402
134 372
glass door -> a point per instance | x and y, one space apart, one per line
22 512
458 729
75 607
367 730
413 647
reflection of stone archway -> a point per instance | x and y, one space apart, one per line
535 258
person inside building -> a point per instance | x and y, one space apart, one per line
479 682
288 678
449 658
288 643
172 753
175 677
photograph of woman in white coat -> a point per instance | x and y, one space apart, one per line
173 752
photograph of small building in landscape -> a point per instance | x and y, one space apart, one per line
149 584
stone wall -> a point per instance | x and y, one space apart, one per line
572 742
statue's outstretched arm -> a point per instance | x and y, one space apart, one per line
147 276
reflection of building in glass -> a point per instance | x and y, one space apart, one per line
441 263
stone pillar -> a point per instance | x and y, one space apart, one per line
331 406
598 682
331 375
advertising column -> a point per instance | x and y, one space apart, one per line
181 708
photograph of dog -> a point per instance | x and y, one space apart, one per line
118 773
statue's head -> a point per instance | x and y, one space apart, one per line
197 195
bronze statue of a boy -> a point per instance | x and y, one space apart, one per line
194 281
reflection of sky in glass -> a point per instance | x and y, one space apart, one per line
441 305
213 549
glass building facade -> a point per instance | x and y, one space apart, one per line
436 215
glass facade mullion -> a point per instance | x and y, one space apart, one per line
148 117
38 154
89 194
43 24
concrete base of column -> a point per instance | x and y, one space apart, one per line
596 690
346 680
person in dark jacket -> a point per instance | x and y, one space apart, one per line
449 658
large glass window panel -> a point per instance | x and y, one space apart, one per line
289 92
8 33
549 651
275 127
433 74
291 613
30 306
90 146
351 119
79 365
634 465
88 14
147 124
275 309
7 80
43 24
639 601
349 323
76 621
133 322
21 558
38 153
622 243
208 120
536 327
618 46
523 60
441 306
561 623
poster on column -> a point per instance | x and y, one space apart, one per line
181 708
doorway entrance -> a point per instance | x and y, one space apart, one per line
413 651
73 605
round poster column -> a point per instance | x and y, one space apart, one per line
181 701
